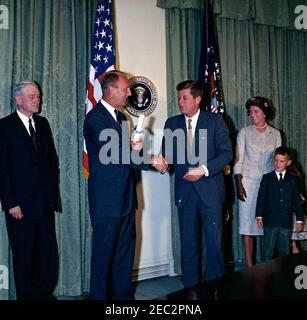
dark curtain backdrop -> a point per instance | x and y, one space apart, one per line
49 41
261 53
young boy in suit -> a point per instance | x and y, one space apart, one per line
277 196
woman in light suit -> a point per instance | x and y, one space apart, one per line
254 158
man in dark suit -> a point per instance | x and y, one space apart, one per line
199 152
111 191
277 197
29 194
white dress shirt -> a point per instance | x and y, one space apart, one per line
109 108
25 120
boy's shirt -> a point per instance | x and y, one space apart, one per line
278 174
277 199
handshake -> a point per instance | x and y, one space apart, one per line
159 163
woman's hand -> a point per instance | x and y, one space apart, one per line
241 193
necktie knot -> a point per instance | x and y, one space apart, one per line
280 176
190 124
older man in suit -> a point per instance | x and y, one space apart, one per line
197 143
29 194
111 191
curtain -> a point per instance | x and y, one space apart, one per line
49 42
259 56
182 52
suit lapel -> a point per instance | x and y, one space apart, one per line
20 127
201 124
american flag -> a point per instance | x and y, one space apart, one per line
102 60
209 67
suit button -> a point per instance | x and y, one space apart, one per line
280 190
281 200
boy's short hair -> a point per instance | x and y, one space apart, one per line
284 151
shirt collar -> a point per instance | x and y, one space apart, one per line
278 174
25 119
194 118
109 108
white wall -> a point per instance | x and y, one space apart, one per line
140 51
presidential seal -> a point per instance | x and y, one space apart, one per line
143 99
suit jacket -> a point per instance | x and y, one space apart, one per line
217 152
111 186
28 176
277 199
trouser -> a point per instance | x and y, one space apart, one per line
276 237
35 255
113 247
195 217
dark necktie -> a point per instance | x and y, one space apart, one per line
32 133
280 176
118 120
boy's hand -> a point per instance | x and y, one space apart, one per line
299 226
260 222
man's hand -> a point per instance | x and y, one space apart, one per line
16 212
194 174
137 145
241 193
299 227
260 222
159 163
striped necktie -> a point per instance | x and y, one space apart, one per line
190 136
118 120
32 133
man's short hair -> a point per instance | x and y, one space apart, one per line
283 151
110 79
19 87
195 87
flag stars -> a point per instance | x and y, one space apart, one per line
106 22
105 59
100 9
97 57
98 22
100 45
97 34
108 47
103 33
